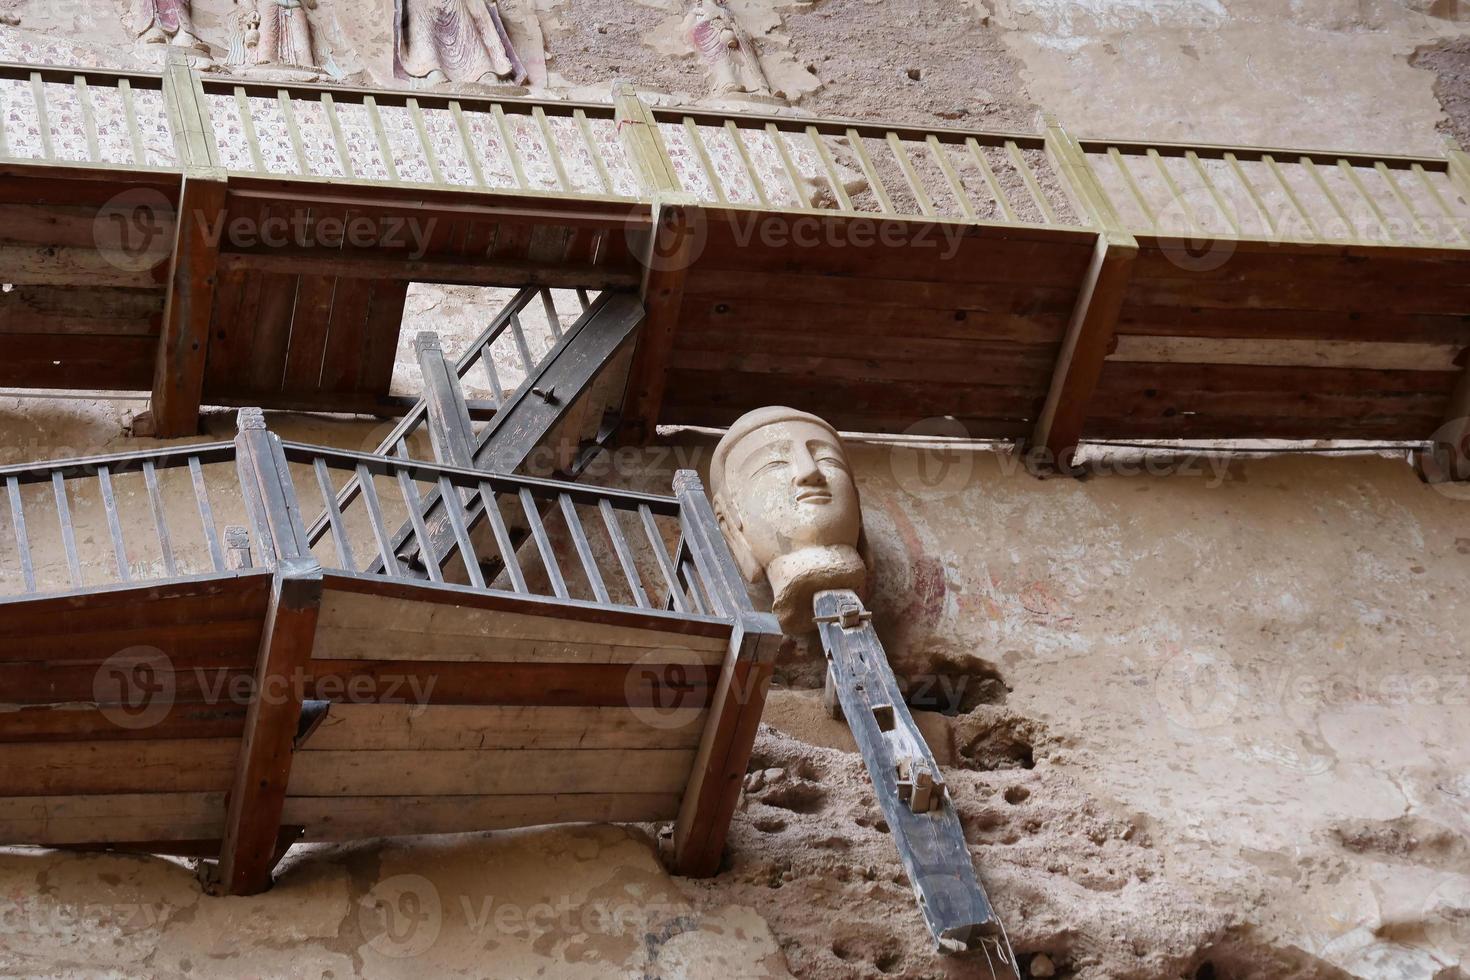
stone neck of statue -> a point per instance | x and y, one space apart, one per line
788 506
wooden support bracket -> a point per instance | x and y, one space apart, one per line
1054 441
671 249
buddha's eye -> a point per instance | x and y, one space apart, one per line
770 465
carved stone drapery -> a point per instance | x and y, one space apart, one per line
286 33
453 41
728 53
164 22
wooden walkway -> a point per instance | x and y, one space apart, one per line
1033 287
177 683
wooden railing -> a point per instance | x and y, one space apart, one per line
630 151
86 524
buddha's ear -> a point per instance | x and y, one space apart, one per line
734 531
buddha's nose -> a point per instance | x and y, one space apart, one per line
808 473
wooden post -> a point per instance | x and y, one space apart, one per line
639 133
1083 189
1080 360
672 247
740 695
253 815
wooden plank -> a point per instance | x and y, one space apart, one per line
360 265
100 768
353 818
27 265
362 627
253 820
403 727
99 311
140 606
306 352
666 261
78 363
380 350
447 772
83 722
135 816
1290 353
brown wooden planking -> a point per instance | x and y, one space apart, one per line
122 817
118 766
895 326
54 683
1419 266
204 600
236 299
1360 295
1397 428
308 346
512 241
1015 299
100 311
214 641
673 684
951 362
343 369
352 818
1387 326
78 362
1134 403
359 727
267 362
28 184
63 224
83 722
380 347
1260 378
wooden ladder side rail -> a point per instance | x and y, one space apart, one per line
183 343
740 694
257 797
524 421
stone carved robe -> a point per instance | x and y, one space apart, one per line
733 63
285 33
163 22
451 40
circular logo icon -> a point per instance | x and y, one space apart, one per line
1197 690
676 240
1183 239
933 469
401 916
134 230
668 687
135 687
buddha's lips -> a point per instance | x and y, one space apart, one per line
814 497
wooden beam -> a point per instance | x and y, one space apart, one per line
368 265
183 347
253 817
672 247
1080 361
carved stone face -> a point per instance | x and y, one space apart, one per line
789 487
788 506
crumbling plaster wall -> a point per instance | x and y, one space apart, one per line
1208 722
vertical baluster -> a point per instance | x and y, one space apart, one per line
43 115
593 150
293 132
130 115
89 119
1219 199
22 541
1439 200
487 360
415 505
1250 189
1421 227
160 518
548 303
1296 203
1378 215
503 542
551 148
521 346
956 186
690 575
345 558
623 552
381 133
792 175
68 533
1018 160
339 138
705 162
543 544
1127 172
839 192
375 518
510 147
206 515
247 126
661 556
584 548
114 525
991 180
916 186
880 193
473 158
1174 192
1310 166
745 161
422 129
454 511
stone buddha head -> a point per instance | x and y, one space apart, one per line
786 501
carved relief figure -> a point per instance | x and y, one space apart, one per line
453 41
787 503
285 36
733 64
164 22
